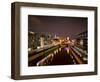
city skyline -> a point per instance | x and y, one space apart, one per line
60 26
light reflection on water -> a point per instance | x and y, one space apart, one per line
59 49
46 60
67 49
50 57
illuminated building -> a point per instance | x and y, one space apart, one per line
82 39
38 40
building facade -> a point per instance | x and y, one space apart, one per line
36 40
82 40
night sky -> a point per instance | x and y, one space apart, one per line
61 26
